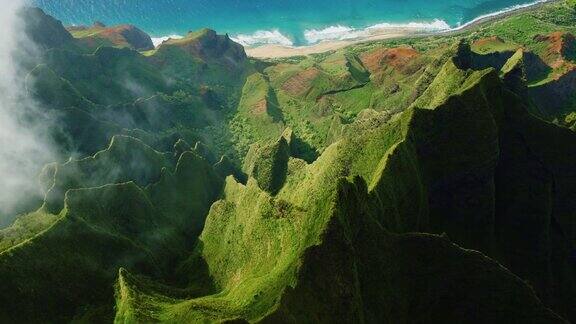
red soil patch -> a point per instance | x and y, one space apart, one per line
397 58
400 56
561 46
122 35
116 30
488 41
115 35
260 107
373 60
300 83
555 40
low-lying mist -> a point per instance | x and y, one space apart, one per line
25 144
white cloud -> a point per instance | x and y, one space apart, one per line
24 143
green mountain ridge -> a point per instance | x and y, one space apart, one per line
291 208
122 36
416 180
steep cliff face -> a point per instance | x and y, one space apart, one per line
392 182
361 273
126 207
556 95
466 160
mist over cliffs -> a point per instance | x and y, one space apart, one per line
25 146
426 179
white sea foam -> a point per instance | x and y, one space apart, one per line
340 32
498 13
333 33
159 40
263 37
435 25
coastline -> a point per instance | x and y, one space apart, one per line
280 51
273 51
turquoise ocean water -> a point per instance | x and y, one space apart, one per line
287 22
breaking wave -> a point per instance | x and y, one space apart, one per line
343 32
159 40
263 37
340 32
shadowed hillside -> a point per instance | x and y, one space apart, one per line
415 180
404 180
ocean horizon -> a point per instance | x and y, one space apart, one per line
280 22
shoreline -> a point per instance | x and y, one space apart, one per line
274 51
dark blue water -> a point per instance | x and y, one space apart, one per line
283 21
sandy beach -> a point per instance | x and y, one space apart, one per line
279 51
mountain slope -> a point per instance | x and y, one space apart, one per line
117 36
317 224
102 228
406 180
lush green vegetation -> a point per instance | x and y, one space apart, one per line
428 179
